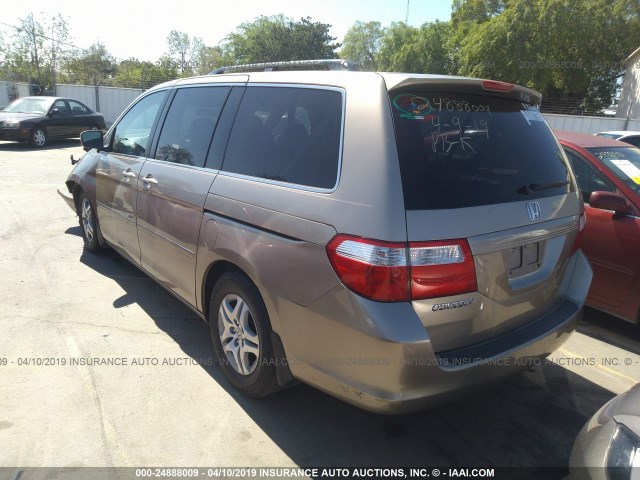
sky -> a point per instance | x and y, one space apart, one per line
136 28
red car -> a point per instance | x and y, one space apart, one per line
608 174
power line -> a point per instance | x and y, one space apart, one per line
19 29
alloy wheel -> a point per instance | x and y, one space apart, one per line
87 219
238 334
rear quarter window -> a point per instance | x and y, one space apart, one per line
460 151
287 134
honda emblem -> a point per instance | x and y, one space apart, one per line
533 208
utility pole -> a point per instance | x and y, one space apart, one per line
406 17
53 58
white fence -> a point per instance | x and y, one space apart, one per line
10 90
109 101
573 123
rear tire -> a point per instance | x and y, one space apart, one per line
241 335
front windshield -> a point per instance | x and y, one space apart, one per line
29 105
624 162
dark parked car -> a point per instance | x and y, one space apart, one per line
40 119
608 174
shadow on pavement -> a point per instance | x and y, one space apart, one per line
76 231
610 329
530 420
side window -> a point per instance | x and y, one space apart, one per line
635 141
77 108
131 135
61 106
287 134
589 179
190 124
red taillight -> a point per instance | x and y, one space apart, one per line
440 269
397 272
578 240
496 86
373 269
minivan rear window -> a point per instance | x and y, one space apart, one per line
465 150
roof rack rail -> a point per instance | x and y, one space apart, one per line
330 64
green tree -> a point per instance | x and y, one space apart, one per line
94 66
29 41
210 58
134 73
36 49
362 44
466 16
397 49
191 56
279 38
418 50
562 48
181 47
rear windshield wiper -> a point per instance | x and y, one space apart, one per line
530 188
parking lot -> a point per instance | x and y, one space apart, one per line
161 401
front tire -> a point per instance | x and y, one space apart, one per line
38 137
241 335
88 224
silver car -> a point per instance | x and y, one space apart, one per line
626 136
608 446
391 239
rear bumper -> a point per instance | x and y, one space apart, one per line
379 356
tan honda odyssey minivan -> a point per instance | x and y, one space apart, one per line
392 239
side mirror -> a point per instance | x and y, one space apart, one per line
610 201
92 139
55 112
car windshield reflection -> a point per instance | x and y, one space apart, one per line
624 162
28 105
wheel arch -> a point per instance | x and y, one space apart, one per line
211 276
214 272
75 189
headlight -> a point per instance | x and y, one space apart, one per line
623 457
11 123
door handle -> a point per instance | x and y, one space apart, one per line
129 174
148 179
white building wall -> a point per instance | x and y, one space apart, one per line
573 123
629 103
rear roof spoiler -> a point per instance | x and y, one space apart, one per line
327 64
463 84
